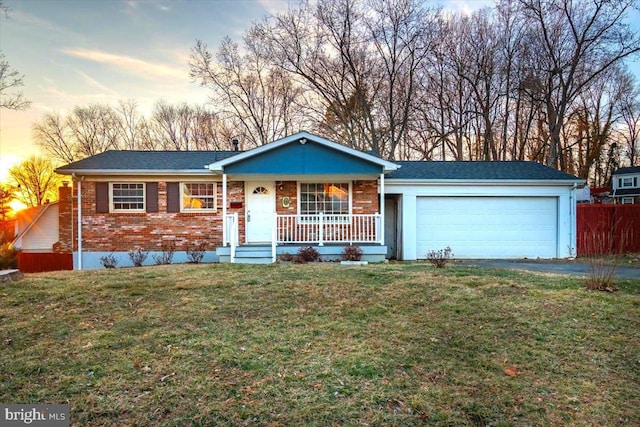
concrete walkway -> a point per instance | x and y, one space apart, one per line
575 268
10 276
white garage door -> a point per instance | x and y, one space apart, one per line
488 227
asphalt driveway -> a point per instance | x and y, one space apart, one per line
575 268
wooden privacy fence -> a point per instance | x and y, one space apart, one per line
608 229
32 262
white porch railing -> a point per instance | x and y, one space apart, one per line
231 222
327 228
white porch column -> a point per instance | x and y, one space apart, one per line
79 182
224 209
409 231
381 209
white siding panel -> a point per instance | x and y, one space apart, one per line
44 233
488 227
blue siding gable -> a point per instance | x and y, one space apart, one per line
308 159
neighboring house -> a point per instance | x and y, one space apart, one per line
36 229
626 185
583 195
306 190
601 195
37 232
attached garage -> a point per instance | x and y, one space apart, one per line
483 209
488 227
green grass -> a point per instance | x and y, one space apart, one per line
393 344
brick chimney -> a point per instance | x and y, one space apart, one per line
65 215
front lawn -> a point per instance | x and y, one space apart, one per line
388 344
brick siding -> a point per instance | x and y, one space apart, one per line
366 199
117 232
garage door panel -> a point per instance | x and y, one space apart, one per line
488 227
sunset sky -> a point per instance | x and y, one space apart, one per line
78 52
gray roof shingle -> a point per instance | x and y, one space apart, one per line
115 160
626 192
126 160
507 170
632 169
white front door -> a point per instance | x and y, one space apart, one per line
261 205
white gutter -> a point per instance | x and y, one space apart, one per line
126 172
509 182
573 252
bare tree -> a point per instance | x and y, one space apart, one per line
35 180
52 135
248 89
130 124
361 62
441 106
324 48
11 81
480 39
576 41
629 129
183 128
403 34
95 128
593 122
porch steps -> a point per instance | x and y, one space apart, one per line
249 254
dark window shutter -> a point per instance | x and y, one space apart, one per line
152 197
619 182
173 197
102 197
635 181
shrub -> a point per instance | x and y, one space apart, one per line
440 258
168 248
196 252
8 257
109 261
307 254
138 257
285 257
602 259
352 253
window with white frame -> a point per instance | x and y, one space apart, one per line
328 198
198 196
627 201
627 182
127 197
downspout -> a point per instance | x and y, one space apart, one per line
573 219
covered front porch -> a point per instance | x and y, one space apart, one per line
328 234
301 191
